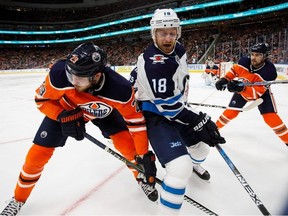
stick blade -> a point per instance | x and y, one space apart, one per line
253 104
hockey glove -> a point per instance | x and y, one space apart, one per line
206 130
221 84
72 123
235 86
148 163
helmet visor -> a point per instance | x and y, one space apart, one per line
78 80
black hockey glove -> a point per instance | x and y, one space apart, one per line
235 86
221 84
206 130
148 163
72 123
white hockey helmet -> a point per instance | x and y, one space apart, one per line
211 63
165 18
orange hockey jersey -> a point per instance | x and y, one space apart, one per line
57 94
245 72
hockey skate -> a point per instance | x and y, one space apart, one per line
149 190
13 208
201 172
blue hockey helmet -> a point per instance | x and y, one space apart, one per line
86 60
261 48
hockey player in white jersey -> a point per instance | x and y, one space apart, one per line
179 136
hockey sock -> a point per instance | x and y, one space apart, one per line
174 183
36 159
124 143
280 129
226 117
134 171
199 152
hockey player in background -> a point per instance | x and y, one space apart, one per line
179 136
211 73
78 90
256 68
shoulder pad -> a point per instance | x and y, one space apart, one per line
180 50
58 76
245 62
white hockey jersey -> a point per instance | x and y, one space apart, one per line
163 83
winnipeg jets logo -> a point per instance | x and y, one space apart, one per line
158 58
175 144
97 109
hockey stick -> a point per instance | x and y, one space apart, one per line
254 104
243 182
138 168
264 83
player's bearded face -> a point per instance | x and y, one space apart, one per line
257 59
84 83
81 83
166 39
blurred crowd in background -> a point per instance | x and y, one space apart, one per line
225 40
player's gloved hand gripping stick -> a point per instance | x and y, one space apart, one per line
72 123
206 130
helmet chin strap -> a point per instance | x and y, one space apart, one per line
98 85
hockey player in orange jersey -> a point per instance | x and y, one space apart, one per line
257 68
78 90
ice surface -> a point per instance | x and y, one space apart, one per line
82 179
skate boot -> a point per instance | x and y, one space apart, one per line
13 208
201 172
149 190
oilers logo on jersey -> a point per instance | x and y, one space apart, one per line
97 109
158 58
42 89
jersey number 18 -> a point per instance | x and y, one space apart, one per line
160 86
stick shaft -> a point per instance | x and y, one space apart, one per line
264 83
243 182
247 108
